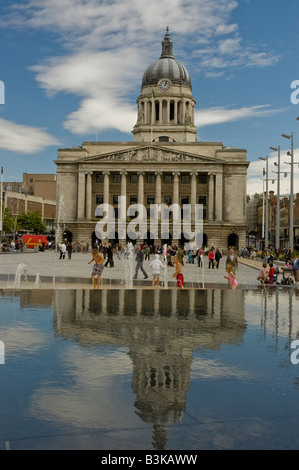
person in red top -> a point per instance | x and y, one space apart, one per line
271 273
211 258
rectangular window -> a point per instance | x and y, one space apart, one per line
185 179
99 199
133 178
151 178
185 200
116 178
202 179
133 199
100 178
115 200
202 200
168 179
150 200
168 200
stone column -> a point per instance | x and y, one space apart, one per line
106 186
153 112
146 120
140 187
218 197
193 196
176 212
176 187
88 195
81 196
211 197
122 215
168 112
176 112
158 188
160 111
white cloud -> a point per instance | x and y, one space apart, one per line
24 139
255 174
108 45
222 114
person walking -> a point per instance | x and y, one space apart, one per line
69 249
218 257
109 256
62 250
139 265
211 258
231 277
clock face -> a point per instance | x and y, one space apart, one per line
164 85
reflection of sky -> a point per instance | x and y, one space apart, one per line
90 395
274 309
22 339
64 384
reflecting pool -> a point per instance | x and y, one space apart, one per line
149 369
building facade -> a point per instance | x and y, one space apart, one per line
163 165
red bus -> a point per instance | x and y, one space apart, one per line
31 240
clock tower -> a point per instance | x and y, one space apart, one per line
165 104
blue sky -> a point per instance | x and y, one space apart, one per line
72 72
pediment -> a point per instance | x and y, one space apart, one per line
149 154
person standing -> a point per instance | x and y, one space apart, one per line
62 250
232 260
296 268
97 268
156 265
178 273
139 265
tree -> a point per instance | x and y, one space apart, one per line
8 221
31 222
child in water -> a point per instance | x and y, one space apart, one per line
97 268
231 277
178 273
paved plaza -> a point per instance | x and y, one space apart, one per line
45 269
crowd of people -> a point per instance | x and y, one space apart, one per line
174 256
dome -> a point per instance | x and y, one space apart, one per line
166 67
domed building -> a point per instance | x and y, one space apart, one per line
164 166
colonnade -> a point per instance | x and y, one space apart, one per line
215 191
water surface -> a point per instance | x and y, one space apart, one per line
149 369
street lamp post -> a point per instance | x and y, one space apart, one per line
277 236
267 202
291 225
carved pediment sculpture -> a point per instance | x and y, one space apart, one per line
148 154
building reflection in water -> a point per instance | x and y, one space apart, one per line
161 329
